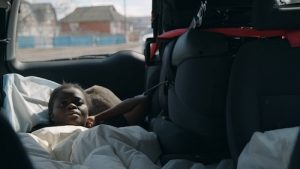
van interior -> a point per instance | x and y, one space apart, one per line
214 72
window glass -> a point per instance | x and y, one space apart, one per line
287 2
65 29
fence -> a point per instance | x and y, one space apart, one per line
26 42
69 41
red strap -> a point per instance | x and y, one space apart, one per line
247 32
167 35
293 36
172 34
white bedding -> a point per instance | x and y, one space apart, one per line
99 147
25 100
269 150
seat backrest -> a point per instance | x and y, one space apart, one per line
157 77
196 98
264 85
197 70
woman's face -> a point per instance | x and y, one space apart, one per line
70 108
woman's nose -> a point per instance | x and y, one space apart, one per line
71 106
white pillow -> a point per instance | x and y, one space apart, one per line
26 100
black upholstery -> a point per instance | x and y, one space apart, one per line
166 77
178 14
230 3
13 155
196 128
178 143
227 13
157 82
264 90
197 99
294 160
264 87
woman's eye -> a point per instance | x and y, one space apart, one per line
63 103
80 102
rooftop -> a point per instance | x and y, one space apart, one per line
97 13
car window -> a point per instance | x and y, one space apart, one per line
287 2
68 29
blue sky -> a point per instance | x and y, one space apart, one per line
133 7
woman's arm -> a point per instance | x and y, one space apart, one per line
133 109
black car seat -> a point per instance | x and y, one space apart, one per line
13 154
264 86
168 16
195 128
195 71
295 157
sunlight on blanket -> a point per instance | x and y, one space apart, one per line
106 146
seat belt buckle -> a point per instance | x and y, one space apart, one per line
5 4
149 51
5 41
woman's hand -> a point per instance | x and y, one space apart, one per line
133 109
90 122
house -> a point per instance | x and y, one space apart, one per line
27 22
46 18
37 25
139 26
37 19
93 20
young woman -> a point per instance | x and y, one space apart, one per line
68 105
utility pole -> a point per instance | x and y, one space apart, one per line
125 20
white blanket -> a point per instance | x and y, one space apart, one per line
99 147
269 150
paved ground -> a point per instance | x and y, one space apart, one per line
71 52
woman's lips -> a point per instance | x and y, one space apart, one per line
73 113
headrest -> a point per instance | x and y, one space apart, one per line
225 13
275 14
189 45
177 13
